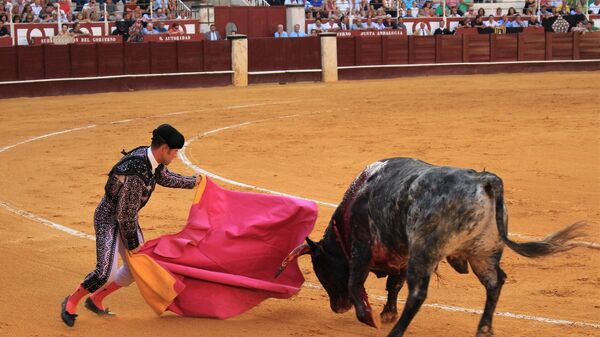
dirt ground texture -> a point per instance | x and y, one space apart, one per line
539 132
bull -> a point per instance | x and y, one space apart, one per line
400 218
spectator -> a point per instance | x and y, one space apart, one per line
442 30
30 18
159 4
511 12
149 29
183 15
464 5
499 11
504 21
470 13
135 32
490 22
3 30
379 24
454 13
370 24
280 32
344 6
131 5
36 7
331 25
64 30
422 30
481 11
580 28
297 32
160 28
65 6
26 11
358 25
478 22
91 5
315 6
317 27
529 4
111 8
159 15
426 11
533 21
330 7
213 34
76 30
175 29
590 26
465 23
389 23
17 19
594 8
401 24
518 22
345 23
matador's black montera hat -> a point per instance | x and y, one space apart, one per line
169 135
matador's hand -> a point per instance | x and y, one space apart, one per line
198 180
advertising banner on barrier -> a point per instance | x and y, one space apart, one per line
169 38
61 39
26 31
385 32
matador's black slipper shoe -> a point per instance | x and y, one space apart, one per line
68 318
91 306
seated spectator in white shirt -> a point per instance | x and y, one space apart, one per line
422 30
379 24
594 8
280 32
149 29
297 32
490 22
90 5
331 25
358 25
37 7
316 27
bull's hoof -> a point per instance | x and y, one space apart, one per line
389 317
485 332
371 320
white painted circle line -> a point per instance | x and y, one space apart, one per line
77 233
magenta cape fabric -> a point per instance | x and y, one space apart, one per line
226 256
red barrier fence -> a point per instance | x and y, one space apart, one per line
380 50
284 54
106 59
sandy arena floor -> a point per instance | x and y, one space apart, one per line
539 132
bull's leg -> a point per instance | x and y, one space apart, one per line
359 270
393 285
492 277
420 266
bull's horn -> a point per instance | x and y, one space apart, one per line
300 250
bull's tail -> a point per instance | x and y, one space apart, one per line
559 241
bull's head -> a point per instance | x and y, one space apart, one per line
332 271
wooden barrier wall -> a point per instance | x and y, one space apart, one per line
367 50
284 54
105 59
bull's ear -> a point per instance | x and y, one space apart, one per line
311 244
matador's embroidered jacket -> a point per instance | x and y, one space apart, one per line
130 184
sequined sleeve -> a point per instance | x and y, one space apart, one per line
128 205
168 179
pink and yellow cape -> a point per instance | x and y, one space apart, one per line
224 260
